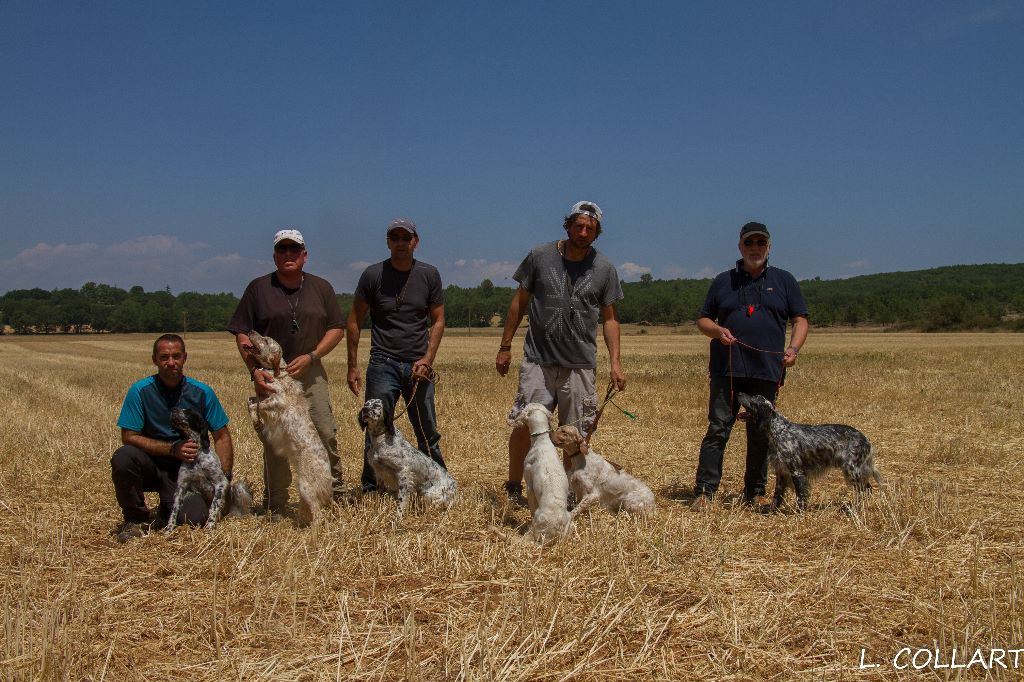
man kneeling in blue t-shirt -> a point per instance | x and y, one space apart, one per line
152 450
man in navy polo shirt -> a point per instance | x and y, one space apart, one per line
745 315
153 450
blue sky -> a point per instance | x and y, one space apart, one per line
162 144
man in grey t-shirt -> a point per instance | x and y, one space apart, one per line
568 288
406 304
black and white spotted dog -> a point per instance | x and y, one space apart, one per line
203 476
799 452
400 467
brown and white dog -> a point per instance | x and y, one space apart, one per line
282 421
594 479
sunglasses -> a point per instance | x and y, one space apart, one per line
401 238
758 242
288 248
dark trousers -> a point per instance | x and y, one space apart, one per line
135 472
386 379
721 417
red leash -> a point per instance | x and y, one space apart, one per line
732 393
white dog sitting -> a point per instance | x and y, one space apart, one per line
595 480
547 488
282 420
401 468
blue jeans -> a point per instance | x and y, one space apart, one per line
721 417
386 379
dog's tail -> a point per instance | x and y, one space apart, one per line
875 473
241 499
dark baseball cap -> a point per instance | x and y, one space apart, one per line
754 228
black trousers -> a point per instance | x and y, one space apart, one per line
721 418
135 472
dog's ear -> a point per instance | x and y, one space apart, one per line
567 437
362 420
198 424
561 437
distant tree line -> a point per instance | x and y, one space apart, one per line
960 297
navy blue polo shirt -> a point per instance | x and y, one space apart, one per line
756 310
147 407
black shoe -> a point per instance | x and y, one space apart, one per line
514 490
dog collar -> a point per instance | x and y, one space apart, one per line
540 432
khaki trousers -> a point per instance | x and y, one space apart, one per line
277 475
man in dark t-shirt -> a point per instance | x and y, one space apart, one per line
301 313
745 314
406 304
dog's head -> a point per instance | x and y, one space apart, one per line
523 416
265 350
191 425
569 439
372 413
759 409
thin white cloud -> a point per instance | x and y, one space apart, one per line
630 271
151 261
857 264
469 272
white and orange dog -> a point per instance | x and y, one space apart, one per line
595 480
282 420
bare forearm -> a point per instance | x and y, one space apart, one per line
225 448
434 341
611 331
329 342
513 318
151 446
799 336
708 327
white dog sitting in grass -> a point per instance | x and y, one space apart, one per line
547 488
596 480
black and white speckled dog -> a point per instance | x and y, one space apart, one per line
400 467
204 476
799 452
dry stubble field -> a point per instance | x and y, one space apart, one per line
933 560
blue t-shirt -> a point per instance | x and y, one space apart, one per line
756 310
147 407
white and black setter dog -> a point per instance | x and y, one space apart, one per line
800 452
400 467
204 477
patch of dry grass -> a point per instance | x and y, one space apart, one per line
933 560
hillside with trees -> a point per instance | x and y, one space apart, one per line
961 297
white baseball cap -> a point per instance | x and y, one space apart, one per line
586 208
292 235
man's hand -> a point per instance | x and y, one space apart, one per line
421 369
726 337
185 450
355 380
261 381
618 378
789 359
299 365
503 362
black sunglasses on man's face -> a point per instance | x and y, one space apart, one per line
288 248
752 242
